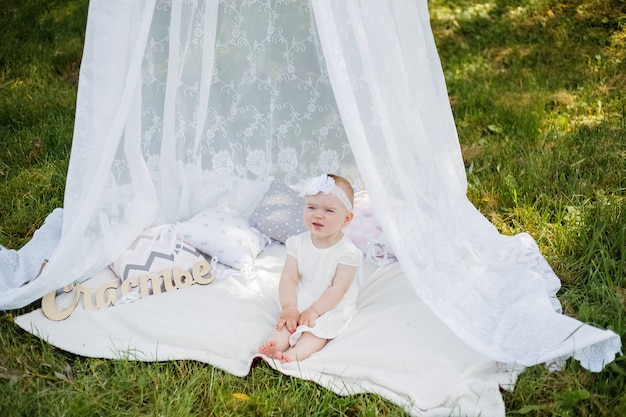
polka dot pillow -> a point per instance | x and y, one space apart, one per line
279 214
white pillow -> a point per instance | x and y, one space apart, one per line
154 250
229 239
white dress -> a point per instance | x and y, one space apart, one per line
317 269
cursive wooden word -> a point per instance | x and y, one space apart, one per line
106 295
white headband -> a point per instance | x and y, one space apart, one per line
326 185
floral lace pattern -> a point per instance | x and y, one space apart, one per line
272 86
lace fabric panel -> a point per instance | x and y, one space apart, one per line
253 101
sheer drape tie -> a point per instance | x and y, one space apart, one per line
376 253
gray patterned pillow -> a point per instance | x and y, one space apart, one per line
156 249
279 214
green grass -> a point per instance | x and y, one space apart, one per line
538 90
40 52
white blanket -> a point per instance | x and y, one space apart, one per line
394 346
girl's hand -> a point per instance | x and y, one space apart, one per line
289 318
308 317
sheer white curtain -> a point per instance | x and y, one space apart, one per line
100 215
191 104
496 292
184 105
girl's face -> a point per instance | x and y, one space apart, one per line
324 216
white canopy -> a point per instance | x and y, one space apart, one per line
190 104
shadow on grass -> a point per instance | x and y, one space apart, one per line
521 69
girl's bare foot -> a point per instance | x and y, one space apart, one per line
269 349
284 358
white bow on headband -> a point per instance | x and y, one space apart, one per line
326 185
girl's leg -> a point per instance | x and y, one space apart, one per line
307 345
276 344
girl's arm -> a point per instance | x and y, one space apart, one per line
330 298
287 287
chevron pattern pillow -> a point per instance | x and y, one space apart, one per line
154 250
